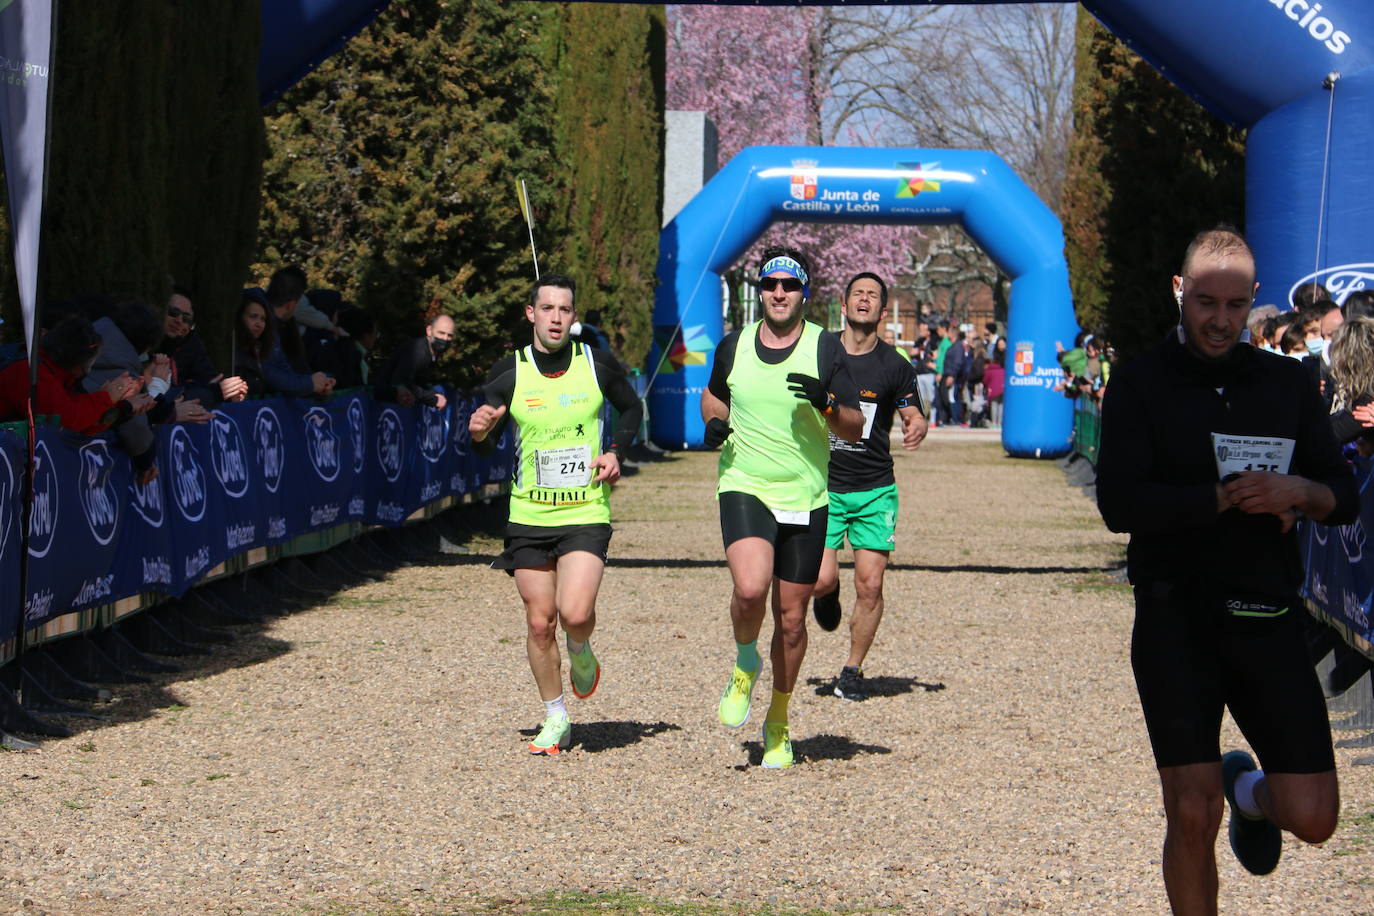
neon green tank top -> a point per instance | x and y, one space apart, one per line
780 448
557 436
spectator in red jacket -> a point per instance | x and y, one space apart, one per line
67 352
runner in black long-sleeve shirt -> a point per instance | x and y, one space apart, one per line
559 526
1210 450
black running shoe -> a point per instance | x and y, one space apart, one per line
1256 842
827 610
850 685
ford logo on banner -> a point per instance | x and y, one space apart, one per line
227 455
98 496
389 444
268 439
357 434
188 480
147 501
9 498
1339 281
458 431
43 515
321 442
433 433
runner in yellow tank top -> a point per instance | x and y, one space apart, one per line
559 525
777 389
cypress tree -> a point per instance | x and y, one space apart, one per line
155 149
393 168
1148 169
609 99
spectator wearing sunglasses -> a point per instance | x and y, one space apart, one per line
192 370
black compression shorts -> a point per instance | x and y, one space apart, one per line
533 547
1195 652
797 549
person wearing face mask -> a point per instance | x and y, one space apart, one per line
407 378
1318 340
67 352
1210 452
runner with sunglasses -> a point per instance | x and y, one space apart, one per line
778 388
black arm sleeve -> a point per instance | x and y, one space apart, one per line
721 366
498 391
902 379
616 388
837 379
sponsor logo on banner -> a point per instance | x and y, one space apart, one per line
188 480
98 497
804 185
271 453
1352 541
357 434
1318 27
458 430
147 501
433 433
1024 361
228 455
43 517
9 498
915 182
389 444
321 443
1338 281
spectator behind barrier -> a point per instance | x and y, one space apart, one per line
1352 383
192 370
131 332
1317 362
1305 295
407 377
588 331
258 358
1294 340
1255 324
67 352
995 380
1359 304
356 344
290 374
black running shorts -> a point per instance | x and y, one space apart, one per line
797 549
1195 652
533 547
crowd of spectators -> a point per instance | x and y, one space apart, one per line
960 372
126 366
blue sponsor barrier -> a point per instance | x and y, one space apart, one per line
1338 563
259 474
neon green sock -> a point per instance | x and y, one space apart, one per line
777 709
747 655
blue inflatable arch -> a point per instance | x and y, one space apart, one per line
768 184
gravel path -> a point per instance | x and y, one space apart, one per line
367 754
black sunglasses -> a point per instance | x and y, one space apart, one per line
184 316
789 284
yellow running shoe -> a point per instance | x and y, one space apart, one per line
777 746
738 697
555 735
584 671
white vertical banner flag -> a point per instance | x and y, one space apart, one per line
26 42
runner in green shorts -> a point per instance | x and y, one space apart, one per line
863 491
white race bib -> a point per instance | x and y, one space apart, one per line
1251 453
870 410
785 517
563 468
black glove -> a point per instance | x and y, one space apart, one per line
810 388
717 431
